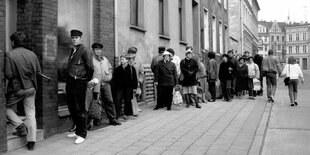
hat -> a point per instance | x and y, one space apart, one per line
76 33
225 55
132 50
171 51
97 45
161 49
188 51
241 58
167 53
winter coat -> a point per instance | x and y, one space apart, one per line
226 71
189 68
166 73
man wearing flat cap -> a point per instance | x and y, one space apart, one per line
155 60
79 73
132 51
103 72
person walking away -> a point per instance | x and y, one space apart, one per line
125 81
226 74
233 60
189 68
21 69
212 71
79 72
103 72
253 73
132 51
154 63
258 59
165 79
271 67
242 76
294 73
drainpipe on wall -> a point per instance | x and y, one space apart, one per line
115 31
241 25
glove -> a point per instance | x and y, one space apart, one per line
95 95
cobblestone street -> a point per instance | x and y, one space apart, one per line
218 128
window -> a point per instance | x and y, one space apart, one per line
265 47
279 47
278 38
297 36
272 47
225 4
221 40
265 39
304 48
214 39
290 49
136 13
304 36
283 38
163 17
206 29
272 38
181 21
290 37
297 49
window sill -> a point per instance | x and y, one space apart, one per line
183 43
164 37
137 28
63 111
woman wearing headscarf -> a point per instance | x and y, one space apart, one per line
294 73
242 76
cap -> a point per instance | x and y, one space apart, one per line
132 50
167 53
171 51
161 49
76 33
188 52
225 55
97 45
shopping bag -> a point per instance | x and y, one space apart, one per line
177 98
95 109
256 84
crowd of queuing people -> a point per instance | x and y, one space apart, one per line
121 89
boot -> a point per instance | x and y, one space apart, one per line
187 100
196 101
21 130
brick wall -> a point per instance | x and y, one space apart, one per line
107 29
3 143
38 19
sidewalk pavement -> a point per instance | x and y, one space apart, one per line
288 131
235 127
238 127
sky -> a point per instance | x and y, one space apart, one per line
270 10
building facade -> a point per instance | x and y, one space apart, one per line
272 35
47 25
243 25
298 43
214 25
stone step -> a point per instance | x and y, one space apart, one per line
10 127
15 142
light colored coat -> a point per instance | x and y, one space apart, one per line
102 71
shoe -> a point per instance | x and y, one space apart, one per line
97 123
139 110
30 146
73 128
168 109
90 127
292 105
21 130
73 135
198 106
295 103
212 100
271 99
79 140
188 105
115 122
155 108
135 115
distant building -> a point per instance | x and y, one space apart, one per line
298 43
243 25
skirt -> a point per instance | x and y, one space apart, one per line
189 89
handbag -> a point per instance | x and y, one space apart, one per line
287 79
181 78
94 110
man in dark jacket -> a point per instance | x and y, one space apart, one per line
79 73
234 61
258 59
166 79
226 74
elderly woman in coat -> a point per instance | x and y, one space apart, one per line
165 79
189 68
